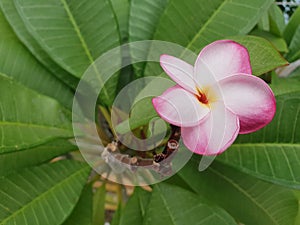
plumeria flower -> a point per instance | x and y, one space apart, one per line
216 99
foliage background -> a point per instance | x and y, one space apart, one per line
46 45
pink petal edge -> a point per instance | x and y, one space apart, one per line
219 60
251 99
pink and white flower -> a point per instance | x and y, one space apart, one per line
216 99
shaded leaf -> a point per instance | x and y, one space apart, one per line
121 9
117 216
249 200
99 206
17 160
29 119
173 205
136 207
294 47
276 18
82 213
42 195
292 26
17 62
144 18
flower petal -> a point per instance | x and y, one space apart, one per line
221 59
180 71
213 135
251 99
179 107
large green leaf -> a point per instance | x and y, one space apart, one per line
29 119
25 37
136 207
74 33
17 62
272 153
172 205
17 160
249 200
42 195
82 213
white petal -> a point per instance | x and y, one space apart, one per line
179 107
215 134
180 71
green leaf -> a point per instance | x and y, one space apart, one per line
117 216
278 42
173 205
32 45
273 153
121 9
17 62
284 85
249 200
142 111
263 55
143 20
99 206
294 47
276 18
82 213
29 119
194 24
292 26
297 221
42 195
264 22
136 207
73 33
17 160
